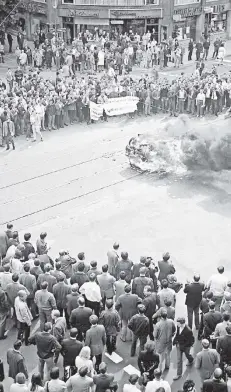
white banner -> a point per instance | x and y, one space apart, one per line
114 107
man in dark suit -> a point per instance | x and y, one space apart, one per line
72 299
216 384
80 319
103 380
71 348
224 348
194 292
96 340
211 319
183 340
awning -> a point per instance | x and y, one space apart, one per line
91 21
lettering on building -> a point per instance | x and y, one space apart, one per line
190 11
82 14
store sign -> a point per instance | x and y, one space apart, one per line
189 11
135 14
219 8
72 13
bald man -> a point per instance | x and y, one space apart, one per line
193 293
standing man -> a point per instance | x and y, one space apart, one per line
103 380
47 277
16 361
113 258
183 340
80 382
140 282
10 41
216 383
139 325
106 283
194 292
72 299
60 291
207 361
150 302
163 335
8 130
71 348
110 319
23 315
126 305
4 311
79 319
217 284
92 294
29 281
211 319
224 347
46 303
47 345
96 340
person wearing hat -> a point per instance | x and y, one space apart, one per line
139 325
131 387
183 340
103 380
207 360
216 384
71 348
92 294
165 267
96 340
110 319
163 335
113 258
140 282
224 347
16 361
193 293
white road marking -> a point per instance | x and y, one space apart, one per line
36 327
114 357
131 370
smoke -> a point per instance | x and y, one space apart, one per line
183 144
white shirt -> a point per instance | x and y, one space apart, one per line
91 291
229 384
16 266
130 388
217 284
152 386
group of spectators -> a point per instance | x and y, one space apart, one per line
84 309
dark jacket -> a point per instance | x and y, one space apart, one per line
150 304
136 270
211 319
110 319
46 344
103 381
194 294
72 302
139 325
80 318
80 278
148 362
185 339
16 363
165 269
224 348
70 350
139 283
214 386
60 291
28 250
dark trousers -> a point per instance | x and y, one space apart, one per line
32 306
10 46
98 360
95 306
180 353
151 328
190 55
63 312
192 311
68 371
110 343
23 332
142 339
81 335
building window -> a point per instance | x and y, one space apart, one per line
186 2
68 1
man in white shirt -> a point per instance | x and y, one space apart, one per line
92 294
200 102
157 383
217 284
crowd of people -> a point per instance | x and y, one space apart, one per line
83 310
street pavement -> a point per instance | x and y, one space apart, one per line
77 185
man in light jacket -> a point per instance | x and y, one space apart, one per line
207 361
163 335
23 315
96 340
46 303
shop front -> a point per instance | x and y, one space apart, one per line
76 21
32 17
186 23
217 18
138 20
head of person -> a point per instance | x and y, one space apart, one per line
55 314
92 277
47 327
93 319
217 375
73 333
43 235
109 303
220 269
18 254
166 256
226 317
147 290
180 321
74 288
228 329
20 378
167 302
143 260
209 295
54 373
105 268
85 352
81 256
58 266
116 246
164 284
15 235
6 267
26 267
157 374
22 295
150 347
17 345
47 268
127 288
81 302
228 371
27 236
83 371
205 343
164 314
196 278
124 256
103 368
37 263
211 305
122 275
133 379
93 264
9 226
81 267
15 277
35 380
189 385
44 285
227 297
142 271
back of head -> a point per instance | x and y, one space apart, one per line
142 271
26 267
167 302
226 316
92 277
20 378
166 256
157 373
124 255
93 264
109 303
211 305
141 308
81 256
122 275
217 374
93 319
47 268
205 343
6 267
133 379
116 245
220 269
228 329
54 373
196 278
43 235
18 254
44 285
36 379
58 266
15 277
164 283
81 266
55 313
9 226
105 268
150 347
17 344
127 288
47 327
181 320
27 236
83 371
188 385
103 368
164 313
228 371
37 262
61 278
73 332
74 287
209 295
81 301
